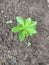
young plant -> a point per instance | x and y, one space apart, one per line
25 28
28 44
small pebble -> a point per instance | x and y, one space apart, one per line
9 51
48 1
2 11
9 21
5 16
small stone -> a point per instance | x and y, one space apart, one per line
2 11
5 16
48 1
9 51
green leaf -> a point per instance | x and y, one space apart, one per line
9 22
28 44
28 22
31 31
33 24
25 28
20 20
22 35
16 29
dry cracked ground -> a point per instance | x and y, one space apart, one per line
14 52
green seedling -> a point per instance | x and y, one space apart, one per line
28 44
25 28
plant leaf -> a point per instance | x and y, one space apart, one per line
28 22
28 44
20 20
33 24
31 31
22 35
16 29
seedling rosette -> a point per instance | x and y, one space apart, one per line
25 28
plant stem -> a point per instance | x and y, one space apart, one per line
26 35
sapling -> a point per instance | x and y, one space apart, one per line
24 28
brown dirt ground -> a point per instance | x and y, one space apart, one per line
14 52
